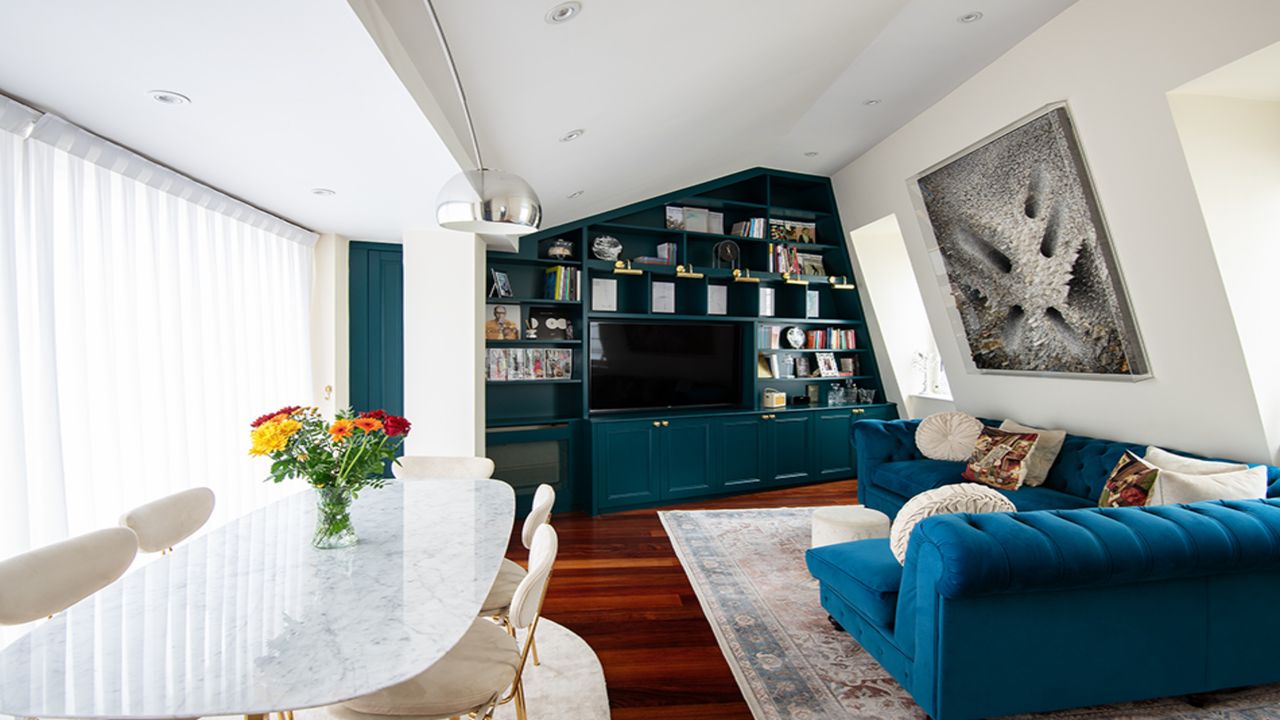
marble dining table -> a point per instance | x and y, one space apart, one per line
249 618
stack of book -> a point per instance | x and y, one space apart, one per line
783 259
666 255
563 283
831 339
753 228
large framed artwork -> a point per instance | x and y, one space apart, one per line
1025 255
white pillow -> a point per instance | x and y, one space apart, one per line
1046 450
1174 487
963 497
1166 460
948 435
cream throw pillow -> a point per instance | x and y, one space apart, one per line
1043 454
948 435
960 498
1166 460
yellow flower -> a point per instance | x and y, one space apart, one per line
272 436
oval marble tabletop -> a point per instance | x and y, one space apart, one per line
250 619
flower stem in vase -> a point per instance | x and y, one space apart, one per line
333 519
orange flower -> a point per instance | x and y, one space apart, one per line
368 424
341 430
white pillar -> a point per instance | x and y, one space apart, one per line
444 352
330 325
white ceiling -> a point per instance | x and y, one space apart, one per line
1253 77
287 95
673 92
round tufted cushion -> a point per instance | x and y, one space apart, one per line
948 435
961 498
844 523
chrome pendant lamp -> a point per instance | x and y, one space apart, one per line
483 201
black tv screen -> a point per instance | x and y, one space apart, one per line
639 365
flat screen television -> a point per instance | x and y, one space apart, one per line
645 365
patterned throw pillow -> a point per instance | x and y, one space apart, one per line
1130 483
1000 458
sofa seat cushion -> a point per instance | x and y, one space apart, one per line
863 572
909 478
1045 498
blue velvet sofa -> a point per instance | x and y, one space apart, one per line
1069 606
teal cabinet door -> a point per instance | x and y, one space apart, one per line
690 454
628 463
833 450
742 447
791 443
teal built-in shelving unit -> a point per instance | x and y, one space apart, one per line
542 430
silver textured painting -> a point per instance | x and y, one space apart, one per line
1027 257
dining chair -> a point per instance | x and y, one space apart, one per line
510 575
484 670
418 467
43 582
163 523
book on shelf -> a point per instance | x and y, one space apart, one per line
666 255
771 336
753 228
792 231
675 218
831 339
563 283
515 364
715 222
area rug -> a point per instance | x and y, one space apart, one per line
747 568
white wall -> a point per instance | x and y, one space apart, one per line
444 342
330 325
1233 150
1113 61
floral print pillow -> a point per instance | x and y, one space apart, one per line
1000 458
1130 483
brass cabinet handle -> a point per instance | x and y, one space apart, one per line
858 411
656 423
764 417
665 423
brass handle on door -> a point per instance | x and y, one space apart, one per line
665 423
858 411
656 423
764 417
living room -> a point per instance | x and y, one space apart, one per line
798 360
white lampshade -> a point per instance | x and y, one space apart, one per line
490 202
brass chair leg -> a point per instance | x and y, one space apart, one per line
522 712
533 646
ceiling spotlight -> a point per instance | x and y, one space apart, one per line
168 97
871 101
563 13
811 153
969 17
572 135
575 194
322 192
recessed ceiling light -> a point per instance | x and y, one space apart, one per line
970 17
322 192
563 13
168 97
811 153
572 135
575 194
871 101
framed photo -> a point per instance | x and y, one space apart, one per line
827 364
546 323
501 286
802 367
811 264
503 322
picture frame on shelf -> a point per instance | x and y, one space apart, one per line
827 364
802 367
811 264
503 323
501 286
548 323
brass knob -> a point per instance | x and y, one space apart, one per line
665 423
764 417
858 411
657 424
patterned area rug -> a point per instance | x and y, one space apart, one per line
747 567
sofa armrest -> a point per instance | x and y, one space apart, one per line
876 442
995 553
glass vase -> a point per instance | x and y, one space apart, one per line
333 519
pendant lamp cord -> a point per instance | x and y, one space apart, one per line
457 82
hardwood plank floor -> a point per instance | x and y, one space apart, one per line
619 585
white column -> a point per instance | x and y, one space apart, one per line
330 325
444 351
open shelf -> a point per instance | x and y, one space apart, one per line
531 343
816 379
541 381
528 300
498 259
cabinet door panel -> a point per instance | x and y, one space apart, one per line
627 463
690 455
742 450
792 456
832 444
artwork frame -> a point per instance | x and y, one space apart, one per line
985 212
502 321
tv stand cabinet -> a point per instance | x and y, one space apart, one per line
609 462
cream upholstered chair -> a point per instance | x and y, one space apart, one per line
48 580
511 574
418 467
484 670
163 523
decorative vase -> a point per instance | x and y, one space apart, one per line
333 519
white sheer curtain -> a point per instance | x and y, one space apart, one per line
145 320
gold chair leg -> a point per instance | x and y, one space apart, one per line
522 712
533 646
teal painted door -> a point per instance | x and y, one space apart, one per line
742 451
788 441
376 306
832 447
628 463
689 456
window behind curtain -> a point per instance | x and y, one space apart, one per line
145 320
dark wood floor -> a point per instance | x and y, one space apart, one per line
619 585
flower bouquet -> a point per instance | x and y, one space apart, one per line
338 459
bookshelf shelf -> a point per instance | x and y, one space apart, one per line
499 259
528 301
814 379
540 381
531 343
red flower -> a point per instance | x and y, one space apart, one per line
286 411
395 426
380 415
